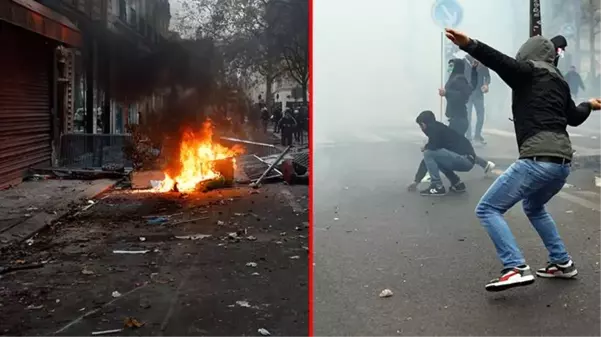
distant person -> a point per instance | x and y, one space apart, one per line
574 81
542 109
277 115
476 99
287 125
265 118
298 132
457 92
447 151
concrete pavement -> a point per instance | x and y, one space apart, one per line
371 234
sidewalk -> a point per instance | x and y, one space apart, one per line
30 206
227 262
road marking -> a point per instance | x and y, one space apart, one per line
296 207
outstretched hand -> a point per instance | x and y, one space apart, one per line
457 37
595 103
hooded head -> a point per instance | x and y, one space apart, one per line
456 66
425 118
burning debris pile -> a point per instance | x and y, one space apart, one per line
200 163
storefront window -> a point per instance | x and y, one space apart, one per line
79 93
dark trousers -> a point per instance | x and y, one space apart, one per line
478 104
287 136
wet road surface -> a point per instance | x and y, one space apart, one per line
371 234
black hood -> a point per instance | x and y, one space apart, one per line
426 117
458 66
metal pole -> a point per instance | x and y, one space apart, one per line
535 18
442 60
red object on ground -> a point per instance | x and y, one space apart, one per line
287 170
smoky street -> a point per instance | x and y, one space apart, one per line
226 262
372 234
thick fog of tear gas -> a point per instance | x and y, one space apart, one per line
378 63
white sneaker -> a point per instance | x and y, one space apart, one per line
427 178
489 167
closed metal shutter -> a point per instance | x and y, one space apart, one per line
25 105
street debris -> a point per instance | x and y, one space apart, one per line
220 223
255 274
159 220
32 208
193 237
295 257
29 241
106 332
569 211
251 264
142 238
35 307
131 322
116 294
130 251
264 332
386 293
87 272
6 270
243 304
251 238
190 220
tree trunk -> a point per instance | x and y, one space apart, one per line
304 88
269 78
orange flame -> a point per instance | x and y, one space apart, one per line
196 158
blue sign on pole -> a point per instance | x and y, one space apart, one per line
447 13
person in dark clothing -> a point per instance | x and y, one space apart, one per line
542 109
277 116
446 151
265 118
298 131
476 99
457 92
287 125
574 81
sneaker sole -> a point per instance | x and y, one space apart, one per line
458 191
505 286
567 275
432 195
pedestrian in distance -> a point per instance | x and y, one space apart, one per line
574 81
476 100
457 92
287 125
447 151
542 108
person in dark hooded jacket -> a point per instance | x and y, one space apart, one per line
457 92
446 151
542 109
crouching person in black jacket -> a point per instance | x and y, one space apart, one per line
446 151
542 109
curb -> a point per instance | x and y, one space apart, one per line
41 221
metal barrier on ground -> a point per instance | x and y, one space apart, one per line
84 150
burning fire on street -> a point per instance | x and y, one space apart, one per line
200 160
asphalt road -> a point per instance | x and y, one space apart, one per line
216 284
371 234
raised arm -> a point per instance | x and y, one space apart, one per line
512 72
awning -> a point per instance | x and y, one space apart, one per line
40 19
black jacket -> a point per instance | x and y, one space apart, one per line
541 97
483 78
441 136
458 90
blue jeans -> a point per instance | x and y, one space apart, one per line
447 162
478 104
533 183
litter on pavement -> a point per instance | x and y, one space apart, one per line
106 332
251 264
157 220
130 251
264 332
116 294
193 237
386 293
